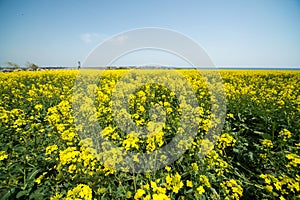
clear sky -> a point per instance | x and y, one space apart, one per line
234 33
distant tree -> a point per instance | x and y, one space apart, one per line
12 65
32 66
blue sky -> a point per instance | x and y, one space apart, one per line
234 33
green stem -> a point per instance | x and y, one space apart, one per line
134 183
244 180
247 170
24 179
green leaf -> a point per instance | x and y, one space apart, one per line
250 155
22 193
263 135
32 175
38 194
258 132
267 136
236 150
213 190
7 195
189 191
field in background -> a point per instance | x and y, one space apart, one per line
256 156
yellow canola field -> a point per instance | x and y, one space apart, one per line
150 134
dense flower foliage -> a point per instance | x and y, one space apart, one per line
42 154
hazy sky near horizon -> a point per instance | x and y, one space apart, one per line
233 33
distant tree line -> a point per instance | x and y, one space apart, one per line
14 66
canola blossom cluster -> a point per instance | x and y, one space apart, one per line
51 148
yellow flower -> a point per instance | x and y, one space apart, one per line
147 197
278 185
139 193
153 185
39 179
131 141
295 160
269 188
159 138
226 140
50 149
72 168
263 156
136 158
230 115
142 109
81 191
231 186
168 168
128 194
57 196
68 135
281 198
267 144
189 183
38 107
68 155
285 134
169 179
200 189
195 166
160 197
151 144
174 182
204 179
146 186
107 131
3 155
